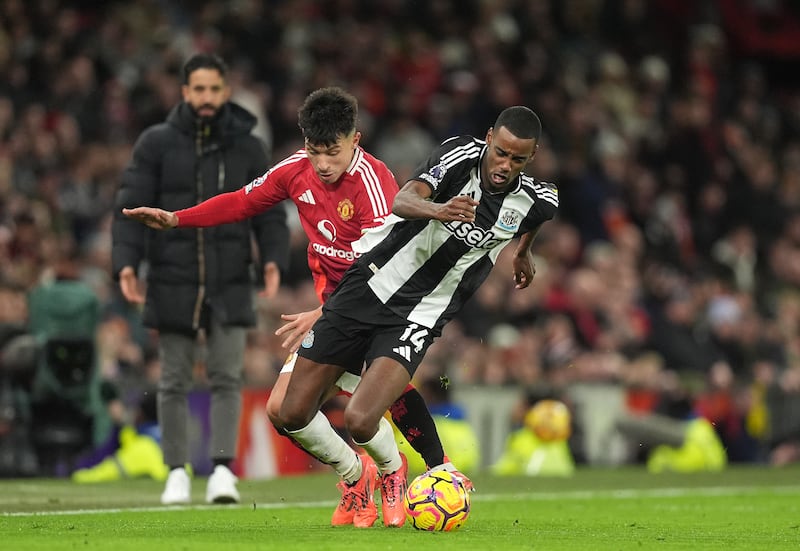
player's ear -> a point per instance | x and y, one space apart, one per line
356 138
489 136
535 149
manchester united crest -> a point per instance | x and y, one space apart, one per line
345 209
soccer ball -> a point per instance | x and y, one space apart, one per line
549 420
437 501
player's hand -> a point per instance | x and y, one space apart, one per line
129 285
460 208
152 217
272 280
524 271
297 328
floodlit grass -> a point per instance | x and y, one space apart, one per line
742 508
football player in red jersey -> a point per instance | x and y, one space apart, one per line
340 191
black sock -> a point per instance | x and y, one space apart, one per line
224 461
411 416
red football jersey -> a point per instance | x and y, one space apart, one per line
332 215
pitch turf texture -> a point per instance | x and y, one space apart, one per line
741 508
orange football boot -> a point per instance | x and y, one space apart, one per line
357 506
393 490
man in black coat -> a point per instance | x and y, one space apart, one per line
199 281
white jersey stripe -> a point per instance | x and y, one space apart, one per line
374 189
384 206
293 158
365 180
428 311
549 197
399 269
357 156
468 151
459 154
547 194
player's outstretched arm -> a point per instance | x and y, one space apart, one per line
152 217
412 202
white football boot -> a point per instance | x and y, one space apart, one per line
178 489
222 486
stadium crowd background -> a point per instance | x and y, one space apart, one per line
672 128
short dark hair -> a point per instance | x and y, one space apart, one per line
520 121
203 61
326 115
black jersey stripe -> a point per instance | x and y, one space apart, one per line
444 274
477 272
399 257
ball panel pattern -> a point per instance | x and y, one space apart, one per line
437 501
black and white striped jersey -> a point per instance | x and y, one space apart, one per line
424 270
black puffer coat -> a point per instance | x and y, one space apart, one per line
178 164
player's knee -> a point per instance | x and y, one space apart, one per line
273 412
359 425
293 418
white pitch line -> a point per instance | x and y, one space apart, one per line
620 494
163 508
639 493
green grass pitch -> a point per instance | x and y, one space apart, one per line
749 508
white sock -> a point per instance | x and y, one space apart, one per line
321 441
383 448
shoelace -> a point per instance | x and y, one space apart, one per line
346 502
390 485
351 498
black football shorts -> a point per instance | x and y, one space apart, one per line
347 342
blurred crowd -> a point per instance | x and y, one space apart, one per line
671 127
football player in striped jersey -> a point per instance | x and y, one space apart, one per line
340 191
450 221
